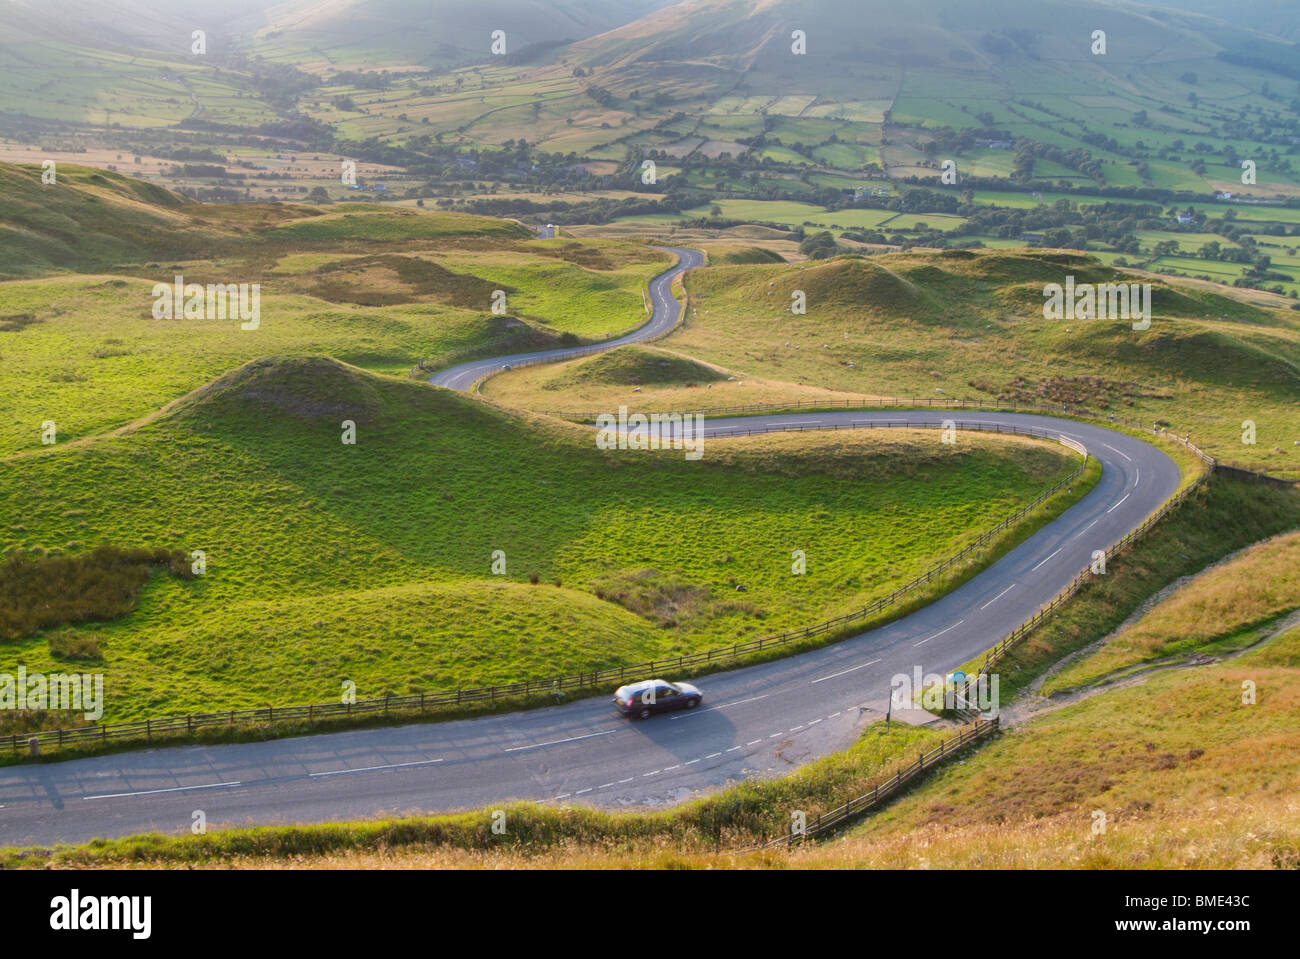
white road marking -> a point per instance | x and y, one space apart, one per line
604 785
151 792
1088 527
1118 505
775 735
556 742
753 742
833 715
998 596
722 706
935 636
1120 452
1137 476
654 773
671 768
564 795
713 755
581 791
1044 561
690 762
842 672
814 722
731 750
366 769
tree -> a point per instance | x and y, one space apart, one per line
819 246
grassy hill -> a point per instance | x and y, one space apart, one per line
384 288
970 324
371 561
892 90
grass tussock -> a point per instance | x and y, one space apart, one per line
40 591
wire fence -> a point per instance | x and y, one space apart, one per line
416 704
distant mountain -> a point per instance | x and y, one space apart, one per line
1277 18
1010 42
359 33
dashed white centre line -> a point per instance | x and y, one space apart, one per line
842 672
366 769
739 702
1044 561
627 780
936 636
151 792
998 596
753 742
556 742
1120 452
1118 505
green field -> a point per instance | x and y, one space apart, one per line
887 326
369 562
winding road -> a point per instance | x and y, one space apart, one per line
663 319
760 720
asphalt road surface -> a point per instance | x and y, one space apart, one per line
762 720
465 375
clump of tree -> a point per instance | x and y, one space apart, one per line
819 246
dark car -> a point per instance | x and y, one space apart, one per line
655 696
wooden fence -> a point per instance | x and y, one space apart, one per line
416 704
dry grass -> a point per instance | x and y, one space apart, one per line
38 591
1250 589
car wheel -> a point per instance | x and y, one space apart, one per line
645 713
692 703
